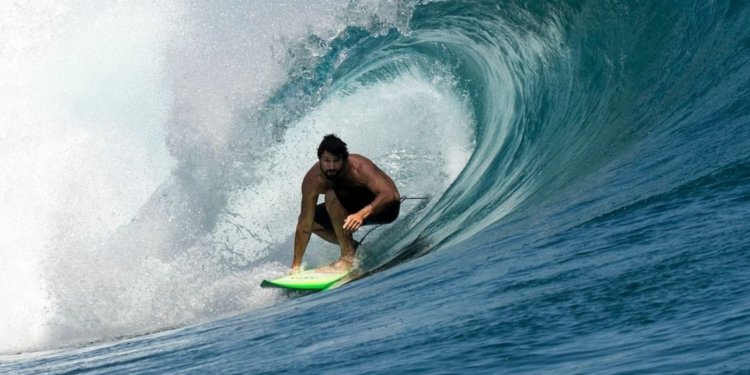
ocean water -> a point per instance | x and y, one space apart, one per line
586 166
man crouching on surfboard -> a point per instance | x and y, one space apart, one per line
357 193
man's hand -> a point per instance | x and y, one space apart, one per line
353 222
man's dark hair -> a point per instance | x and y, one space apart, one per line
334 145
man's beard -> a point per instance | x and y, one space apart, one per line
332 177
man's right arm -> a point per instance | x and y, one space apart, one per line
305 221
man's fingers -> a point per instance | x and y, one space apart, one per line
351 224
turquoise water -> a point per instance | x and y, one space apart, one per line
588 172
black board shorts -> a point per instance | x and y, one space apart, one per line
353 201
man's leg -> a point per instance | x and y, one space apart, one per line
338 214
327 234
323 227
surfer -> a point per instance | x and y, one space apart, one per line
357 193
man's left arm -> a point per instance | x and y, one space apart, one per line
385 192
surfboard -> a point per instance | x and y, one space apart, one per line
306 280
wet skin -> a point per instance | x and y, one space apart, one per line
331 171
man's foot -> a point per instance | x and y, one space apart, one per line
340 265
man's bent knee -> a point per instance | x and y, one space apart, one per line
333 204
331 196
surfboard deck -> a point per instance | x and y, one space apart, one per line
306 280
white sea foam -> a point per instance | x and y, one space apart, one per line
127 204
416 129
80 141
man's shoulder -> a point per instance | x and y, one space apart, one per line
312 172
359 157
314 179
360 161
363 169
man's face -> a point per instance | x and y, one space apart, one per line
331 164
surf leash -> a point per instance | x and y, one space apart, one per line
379 225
